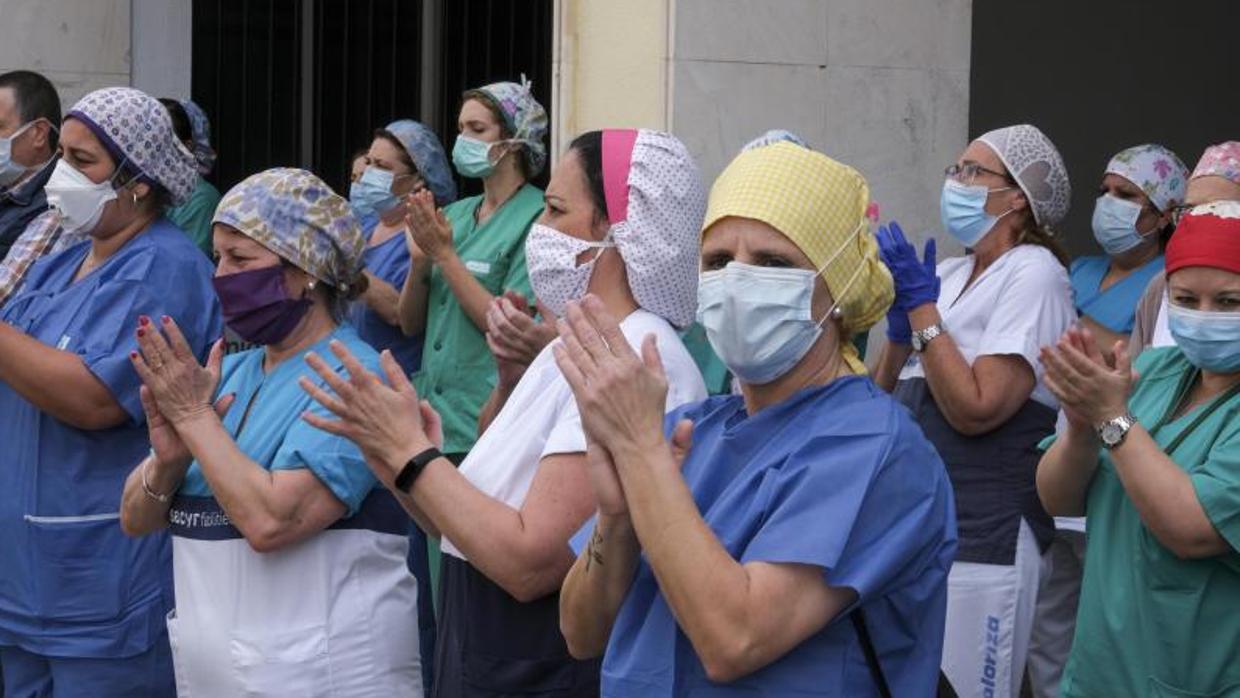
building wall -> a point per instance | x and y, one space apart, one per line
163 47
79 46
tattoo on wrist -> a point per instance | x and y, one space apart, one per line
594 551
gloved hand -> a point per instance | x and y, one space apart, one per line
899 329
915 280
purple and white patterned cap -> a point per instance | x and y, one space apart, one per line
524 117
136 130
1156 170
1220 160
201 128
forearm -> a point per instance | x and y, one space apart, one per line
890 362
384 300
952 381
411 307
495 403
705 587
141 513
1164 497
470 294
597 585
243 489
56 382
1065 471
492 535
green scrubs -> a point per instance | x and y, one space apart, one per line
194 216
458 371
1151 624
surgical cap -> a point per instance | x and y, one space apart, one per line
427 154
297 216
775 135
1207 236
524 118
1156 170
1220 160
136 130
820 205
655 203
201 129
1035 164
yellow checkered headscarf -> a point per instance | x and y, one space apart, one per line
818 204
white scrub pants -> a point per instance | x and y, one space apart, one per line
989 619
1055 618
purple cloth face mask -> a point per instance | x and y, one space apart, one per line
256 305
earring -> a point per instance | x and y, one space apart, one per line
310 286
135 199
837 313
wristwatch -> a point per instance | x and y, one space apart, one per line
1113 431
414 468
922 337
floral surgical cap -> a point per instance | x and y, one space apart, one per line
201 128
655 203
297 216
1220 160
1156 170
820 205
136 130
1034 162
775 135
524 118
427 154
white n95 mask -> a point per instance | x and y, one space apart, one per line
77 199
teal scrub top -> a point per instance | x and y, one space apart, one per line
1150 623
195 215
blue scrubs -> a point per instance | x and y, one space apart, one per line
839 477
390 262
72 585
1116 307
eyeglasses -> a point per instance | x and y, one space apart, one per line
968 172
1177 212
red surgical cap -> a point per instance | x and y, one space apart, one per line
1207 236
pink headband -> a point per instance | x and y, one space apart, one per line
617 159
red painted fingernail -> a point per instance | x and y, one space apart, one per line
133 355
167 320
141 332
143 320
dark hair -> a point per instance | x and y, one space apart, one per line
36 99
486 100
180 120
589 148
402 153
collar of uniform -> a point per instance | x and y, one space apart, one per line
23 192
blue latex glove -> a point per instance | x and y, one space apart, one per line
915 279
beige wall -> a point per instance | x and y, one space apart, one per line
80 46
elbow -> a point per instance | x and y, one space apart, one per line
528 588
1194 545
266 536
581 643
130 525
971 424
94 417
728 659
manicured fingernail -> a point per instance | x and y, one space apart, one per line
141 332
167 320
143 320
133 355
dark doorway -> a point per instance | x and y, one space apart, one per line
1098 77
305 82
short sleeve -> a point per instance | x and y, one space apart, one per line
566 434
870 511
1034 309
334 460
111 318
1217 484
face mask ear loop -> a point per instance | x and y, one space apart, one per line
851 236
839 299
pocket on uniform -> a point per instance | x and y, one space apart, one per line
1160 689
81 569
489 271
276 662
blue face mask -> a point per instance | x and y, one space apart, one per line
962 210
11 171
1210 340
759 320
372 192
472 157
1115 224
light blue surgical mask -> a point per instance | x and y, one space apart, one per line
1210 340
472 157
11 171
1115 224
372 192
962 209
759 320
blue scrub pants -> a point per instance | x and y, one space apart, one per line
28 675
